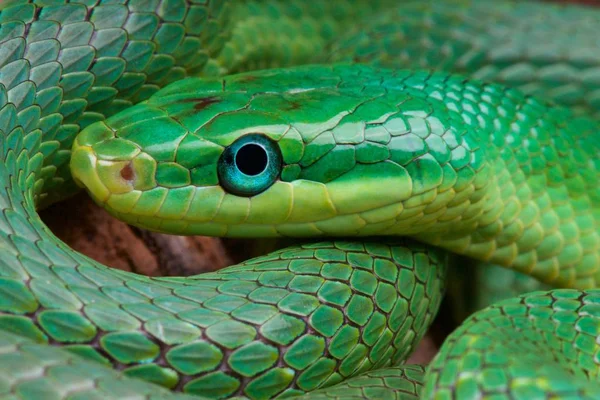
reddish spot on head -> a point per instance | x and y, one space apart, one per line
202 103
127 172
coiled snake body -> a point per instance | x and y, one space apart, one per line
385 173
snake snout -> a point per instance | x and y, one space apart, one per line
108 166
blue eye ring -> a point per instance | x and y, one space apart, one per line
250 165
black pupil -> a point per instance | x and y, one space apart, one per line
251 159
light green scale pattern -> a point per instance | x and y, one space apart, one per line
36 371
556 354
302 318
33 370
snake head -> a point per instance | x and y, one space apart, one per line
306 151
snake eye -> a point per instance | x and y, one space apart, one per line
249 165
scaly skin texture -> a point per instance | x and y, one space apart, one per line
474 168
541 345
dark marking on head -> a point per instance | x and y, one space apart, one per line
294 105
127 172
202 103
247 78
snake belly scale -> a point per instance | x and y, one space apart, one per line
197 117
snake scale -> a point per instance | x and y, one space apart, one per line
316 120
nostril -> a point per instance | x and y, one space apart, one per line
127 172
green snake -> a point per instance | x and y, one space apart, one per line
320 121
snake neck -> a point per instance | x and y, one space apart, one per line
533 204
496 175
